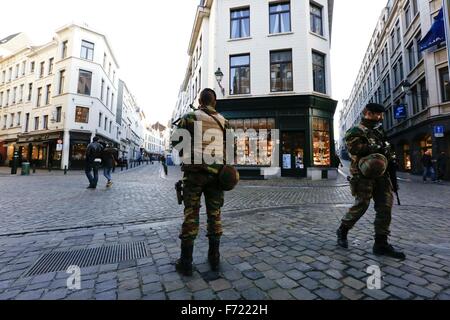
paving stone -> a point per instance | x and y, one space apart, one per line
229 294
220 285
286 283
106 286
55 294
295 275
317 275
242 284
265 284
182 294
331 283
376 294
328 294
206 294
351 294
253 274
197 285
309 283
423 292
398 292
173 285
133 294
152 288
354 283
108 295
254 294
232 275
302 294
414 279
10 294
155 296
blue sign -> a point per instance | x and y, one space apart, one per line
400 112
436 35
439 131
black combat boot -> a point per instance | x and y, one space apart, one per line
342 236
214 254
383 248
184 264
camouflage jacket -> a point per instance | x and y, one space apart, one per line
365 139
188 122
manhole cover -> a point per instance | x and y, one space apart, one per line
61 260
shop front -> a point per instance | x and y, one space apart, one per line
77 151
411 144
299 128
40 150
3 153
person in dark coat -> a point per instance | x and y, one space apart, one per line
93 161
109 161
428 169
441 166
164 164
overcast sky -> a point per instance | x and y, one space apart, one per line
150 40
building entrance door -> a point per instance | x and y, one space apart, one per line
293 154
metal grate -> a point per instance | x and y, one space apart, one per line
60 261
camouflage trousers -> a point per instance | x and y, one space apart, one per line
380 190
194 185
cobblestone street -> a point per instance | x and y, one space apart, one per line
279 240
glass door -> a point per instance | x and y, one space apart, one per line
293 154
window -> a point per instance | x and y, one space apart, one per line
36 123
32 67
45 123
41 70
240 24
64 50
1 98
411 56
58 114
407 15
281 71
30 91
50 65
247 146
27 121
84 82
62 78
82 115
321 142
101 90
199 79
109 70
87 50
400 68
14 95
5 118
415 7
240 74
319 72
423 93
7 97
107 96
100 116
11 124
112 99
110 126
22 87
17 70
200 43
316 19
417 40
39 97
104 61
280 17
19 115
10 74
106 122
445 84
49 93
3 76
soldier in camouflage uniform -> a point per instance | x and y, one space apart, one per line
364 140
202 179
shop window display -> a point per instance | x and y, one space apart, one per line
253 141
321 142
79 151
406 157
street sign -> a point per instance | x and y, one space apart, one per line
400 111
59 147
439 131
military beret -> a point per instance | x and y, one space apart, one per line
375 107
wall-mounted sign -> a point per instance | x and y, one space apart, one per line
439 131
400 111
287 161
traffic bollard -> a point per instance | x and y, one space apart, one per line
65 170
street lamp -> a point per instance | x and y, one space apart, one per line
219 77
406 86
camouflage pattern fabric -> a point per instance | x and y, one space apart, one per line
373 166
194 185
362 141
380 190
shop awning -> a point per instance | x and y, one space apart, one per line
436 34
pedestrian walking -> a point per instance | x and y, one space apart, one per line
428 169
441 165
93 161
109 162
206 178
164 164
370 153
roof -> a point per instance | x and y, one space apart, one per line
8 38
158 126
